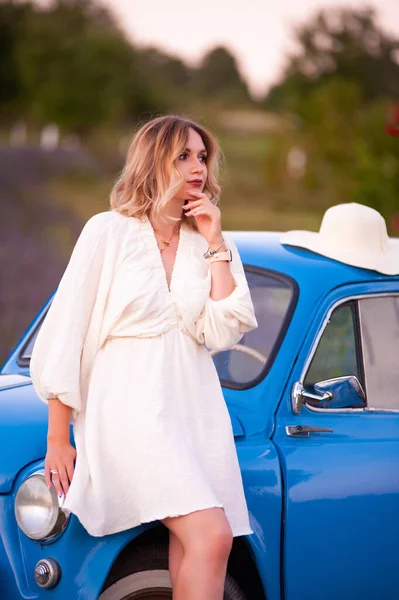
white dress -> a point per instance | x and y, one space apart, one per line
152 430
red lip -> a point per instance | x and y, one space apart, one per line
196 181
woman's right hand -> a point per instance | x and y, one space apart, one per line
61 457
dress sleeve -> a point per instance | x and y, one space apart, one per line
56 354
222 323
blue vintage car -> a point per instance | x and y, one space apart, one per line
313 395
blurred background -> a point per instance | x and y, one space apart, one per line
303 96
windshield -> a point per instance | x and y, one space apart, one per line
274 297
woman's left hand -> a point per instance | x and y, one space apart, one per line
207 216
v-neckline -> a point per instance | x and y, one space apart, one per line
158 253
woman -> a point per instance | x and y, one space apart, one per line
149 284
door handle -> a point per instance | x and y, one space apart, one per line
305 430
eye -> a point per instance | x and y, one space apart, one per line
203 158
184 154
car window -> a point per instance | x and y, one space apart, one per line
274 297
379 321
361 339
337 354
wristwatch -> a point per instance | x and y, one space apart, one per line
226 255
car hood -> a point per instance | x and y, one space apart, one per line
23 427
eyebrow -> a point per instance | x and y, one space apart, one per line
203 151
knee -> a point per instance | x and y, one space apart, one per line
223 542
215 545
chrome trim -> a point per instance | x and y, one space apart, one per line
60 500
15 380
314 348
299 395
47 573
333 379
338 410
303 431
366 409
41 471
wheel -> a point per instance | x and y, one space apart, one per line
145 574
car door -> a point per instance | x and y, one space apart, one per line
341 506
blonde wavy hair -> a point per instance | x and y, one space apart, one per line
151 178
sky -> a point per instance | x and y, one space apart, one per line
259 32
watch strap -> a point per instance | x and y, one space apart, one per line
225 255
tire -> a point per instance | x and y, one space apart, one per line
145 575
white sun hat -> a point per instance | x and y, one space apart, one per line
354 234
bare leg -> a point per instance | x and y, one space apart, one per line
206 539
175 556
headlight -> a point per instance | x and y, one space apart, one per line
38 510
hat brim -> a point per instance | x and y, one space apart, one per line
387 262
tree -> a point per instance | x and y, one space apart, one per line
347 43
69 63
350 156
218 78
168 77
75 69
12 17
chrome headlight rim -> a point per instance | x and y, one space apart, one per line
59 519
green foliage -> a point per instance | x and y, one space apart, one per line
340 42
349 155
376 165
12 18
167 78
337 93
69 63
218 78
75 69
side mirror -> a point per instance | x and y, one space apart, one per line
340 392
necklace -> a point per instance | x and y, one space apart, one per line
166 242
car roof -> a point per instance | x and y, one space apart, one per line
264 249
